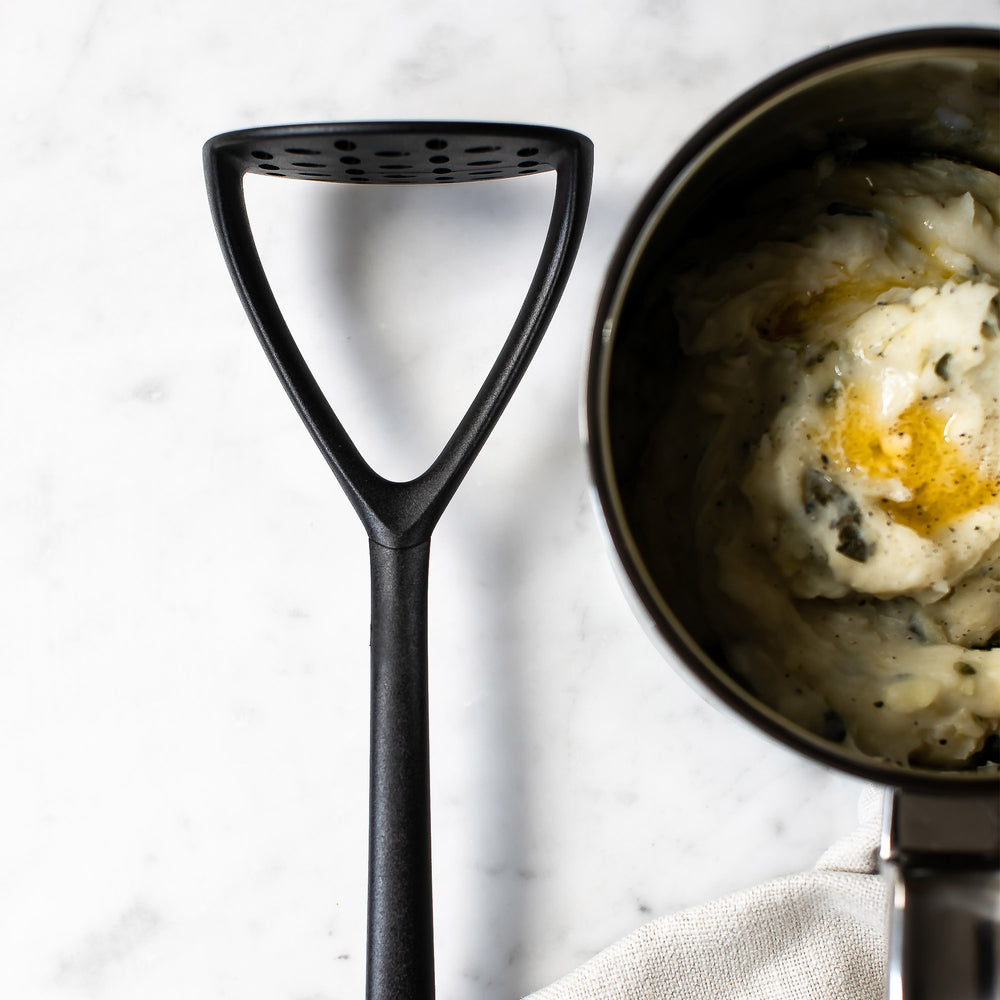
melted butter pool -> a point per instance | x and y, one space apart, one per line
942 479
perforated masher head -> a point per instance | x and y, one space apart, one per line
395 152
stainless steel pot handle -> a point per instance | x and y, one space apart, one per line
942 855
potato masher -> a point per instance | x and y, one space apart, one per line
399 516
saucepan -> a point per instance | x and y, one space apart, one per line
903 96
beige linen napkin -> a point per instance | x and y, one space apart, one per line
818 935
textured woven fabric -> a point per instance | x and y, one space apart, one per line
818 935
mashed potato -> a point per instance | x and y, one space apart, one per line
846 503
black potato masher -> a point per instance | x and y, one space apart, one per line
399 516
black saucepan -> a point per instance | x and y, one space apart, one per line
893 94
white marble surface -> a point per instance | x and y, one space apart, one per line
183 587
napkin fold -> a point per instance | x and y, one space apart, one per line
820 934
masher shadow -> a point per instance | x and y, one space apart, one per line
463 234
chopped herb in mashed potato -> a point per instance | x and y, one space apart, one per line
846 365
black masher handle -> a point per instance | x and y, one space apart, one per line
400 921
